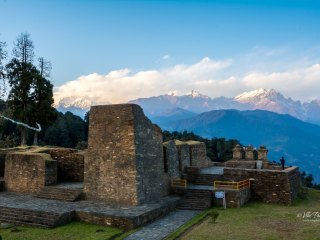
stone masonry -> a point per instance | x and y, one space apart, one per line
269 186
124 163
183 155
171 159
198 154
29 173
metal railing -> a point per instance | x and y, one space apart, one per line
231 185
179 183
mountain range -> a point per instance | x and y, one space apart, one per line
261 117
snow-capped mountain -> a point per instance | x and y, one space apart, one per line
263 99
195 102
269 99
76 105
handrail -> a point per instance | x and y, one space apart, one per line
179 183
231 185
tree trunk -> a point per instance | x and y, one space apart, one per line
23 137
35 139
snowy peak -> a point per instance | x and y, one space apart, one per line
258 95
196 94
82 103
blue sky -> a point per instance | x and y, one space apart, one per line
123 40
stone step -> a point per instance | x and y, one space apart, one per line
208 179
28 217
196 199
62 194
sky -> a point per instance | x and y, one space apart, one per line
116 51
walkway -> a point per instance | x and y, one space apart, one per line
161 228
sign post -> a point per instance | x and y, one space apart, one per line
221 195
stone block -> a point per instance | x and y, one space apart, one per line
29 172
124 162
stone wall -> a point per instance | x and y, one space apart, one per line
198 154
234 198
171 159
270 186
183 155
124 163
29 172
70 163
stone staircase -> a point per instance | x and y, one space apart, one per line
196 199
33 218
62 194
207 179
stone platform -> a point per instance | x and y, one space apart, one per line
29 210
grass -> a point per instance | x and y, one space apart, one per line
260 221
72 231
195 220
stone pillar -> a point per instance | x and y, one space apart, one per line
262 155
124 162
183 154
171 159
249 153
237 152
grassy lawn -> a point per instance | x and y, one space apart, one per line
72 231
262 221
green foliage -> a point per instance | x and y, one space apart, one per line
31 96
307 181
218 149
67 131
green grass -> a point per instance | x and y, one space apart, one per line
72 231
195 220
260 221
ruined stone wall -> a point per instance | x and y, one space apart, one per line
152 181
124 162
70 164
171 159
198 154
270 186
29 172
183 155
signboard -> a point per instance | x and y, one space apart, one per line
219 194
223 196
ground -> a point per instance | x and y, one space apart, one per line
253 221
263 221
72 231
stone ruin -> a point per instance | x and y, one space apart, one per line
128 165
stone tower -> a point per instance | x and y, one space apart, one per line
237 152
124 163
249 153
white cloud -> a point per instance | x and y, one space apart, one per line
211 77
165 57
123 85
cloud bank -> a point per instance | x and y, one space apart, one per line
211 77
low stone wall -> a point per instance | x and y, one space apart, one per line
241 164
70 164
269 186
234 198
29 172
